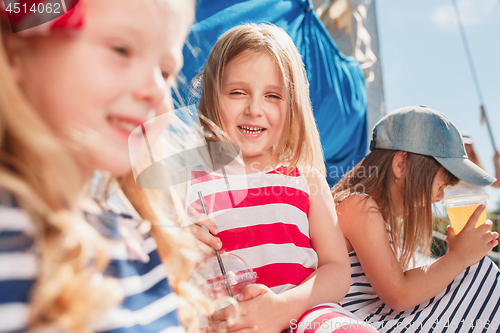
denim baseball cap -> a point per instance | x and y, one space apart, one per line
420 130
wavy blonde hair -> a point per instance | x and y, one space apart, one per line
374 176
36 167
299 144
176 246
40 171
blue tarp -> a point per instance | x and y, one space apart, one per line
337 83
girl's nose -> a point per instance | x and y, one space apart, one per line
153 90
439 196
254 108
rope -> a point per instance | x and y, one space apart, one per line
473 71
468 53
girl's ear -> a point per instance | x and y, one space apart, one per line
399 165
14 48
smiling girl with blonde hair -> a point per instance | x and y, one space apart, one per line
255 88
72 89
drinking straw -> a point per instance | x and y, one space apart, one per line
219 259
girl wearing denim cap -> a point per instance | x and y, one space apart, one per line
385 211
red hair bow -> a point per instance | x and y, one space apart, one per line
42 16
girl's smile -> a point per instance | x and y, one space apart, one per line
124 126
254 104
251 131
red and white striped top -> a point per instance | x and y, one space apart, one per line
263 218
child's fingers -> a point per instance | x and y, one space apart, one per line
220 326
215 328
483 228
493 243
488 237
451 233
210 225
204 229
252 291
223 314
205 237
471 223
203 220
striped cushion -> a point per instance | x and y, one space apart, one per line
329 318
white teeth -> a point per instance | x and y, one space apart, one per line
125 125
251 130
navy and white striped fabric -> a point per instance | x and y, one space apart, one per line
471 303
150 305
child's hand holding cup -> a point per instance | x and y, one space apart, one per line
470 232
461 207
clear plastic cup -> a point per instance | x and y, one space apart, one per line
460 208
238 274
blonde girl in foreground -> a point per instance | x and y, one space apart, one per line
72 90
255 88
384 207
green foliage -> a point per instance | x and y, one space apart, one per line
439 246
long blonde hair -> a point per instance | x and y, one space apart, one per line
299 144
374 176
176 247
37 169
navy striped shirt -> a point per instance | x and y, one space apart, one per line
149 305
471 303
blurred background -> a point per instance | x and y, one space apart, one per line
424 62
365 58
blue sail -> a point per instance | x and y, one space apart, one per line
337 83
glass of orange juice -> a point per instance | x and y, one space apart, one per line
461 207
